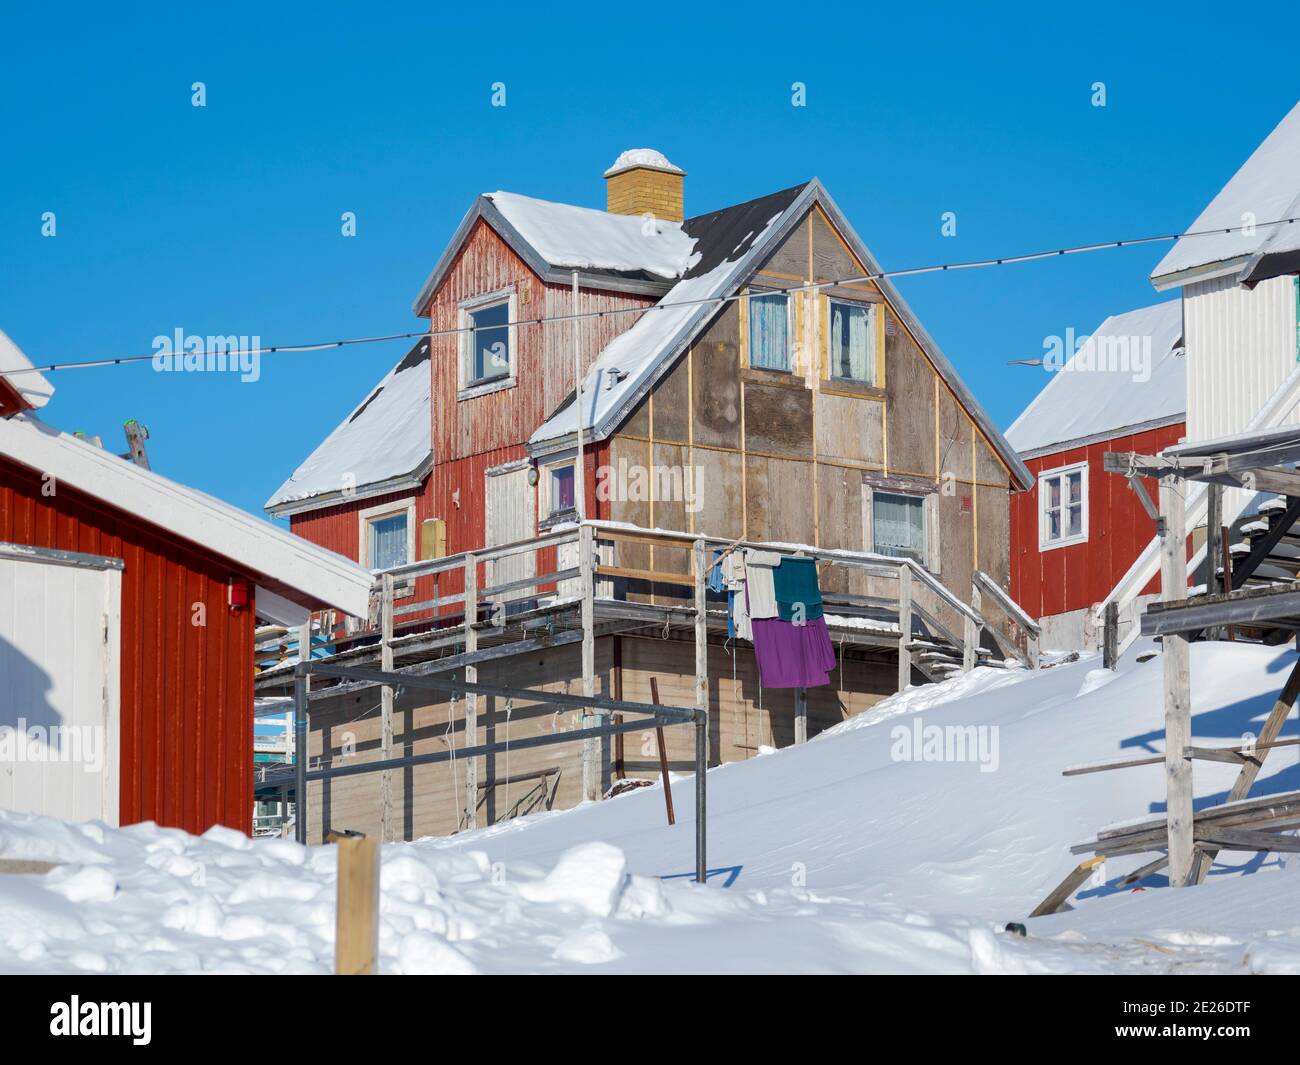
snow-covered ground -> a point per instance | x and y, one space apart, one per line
858 852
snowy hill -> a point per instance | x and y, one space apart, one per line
856 852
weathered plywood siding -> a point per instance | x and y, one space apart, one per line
783 456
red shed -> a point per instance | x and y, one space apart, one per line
127 609
1076 534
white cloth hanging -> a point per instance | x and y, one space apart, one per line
760 584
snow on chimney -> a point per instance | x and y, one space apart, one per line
643 181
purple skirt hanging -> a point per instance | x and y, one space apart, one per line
793 656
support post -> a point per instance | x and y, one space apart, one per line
580 467
663 756
701 776
904 627
1110 636
701 629
701 707
1177 685
386 707
300 726
471 699
1213 544
1225 550
1032 643
801 715
969 644
587 577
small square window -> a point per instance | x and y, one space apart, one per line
489 358
562 489
852 341
769 331
1063 506
388 540
898 525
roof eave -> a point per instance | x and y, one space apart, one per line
399 483
1203 272
1105 434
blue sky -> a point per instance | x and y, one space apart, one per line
226 219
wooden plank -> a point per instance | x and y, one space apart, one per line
471 700
800 715
1058 896
904 628
356 937
590 748
1242 839
386 706
1177 688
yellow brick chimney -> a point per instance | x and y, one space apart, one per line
643 181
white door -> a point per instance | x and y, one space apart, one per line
510 518
60 619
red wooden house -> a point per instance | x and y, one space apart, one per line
128 604
1078 532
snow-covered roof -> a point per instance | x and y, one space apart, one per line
1265 189
581 238
288 564
382 446
643 157
1130 373
31 386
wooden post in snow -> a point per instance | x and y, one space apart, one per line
587 579
970 637
386 707
1110 636
471 700
1177 685
904 626
356 934
663 755
801 715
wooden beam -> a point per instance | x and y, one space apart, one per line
356 935
1243 839
1177 687
591 747
471 699
1057 899
800 715
386 707
904 628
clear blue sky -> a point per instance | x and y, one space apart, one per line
225 219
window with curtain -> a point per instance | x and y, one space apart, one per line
898 525
852 341
562 497
489 343
769 331
1063 506
388 541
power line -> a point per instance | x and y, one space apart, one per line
973 264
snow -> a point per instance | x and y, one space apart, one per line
31 385
1080 402
631 358
582 238
1264 189
643 157
856 852
388 436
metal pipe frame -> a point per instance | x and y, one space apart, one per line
654 715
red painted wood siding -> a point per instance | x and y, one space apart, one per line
186 690
1071 578
471 436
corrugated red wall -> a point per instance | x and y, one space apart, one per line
187 690
1072 578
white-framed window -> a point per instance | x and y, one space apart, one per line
561 482
769 331
1063 506
900 525
851 341
487 343
387 535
